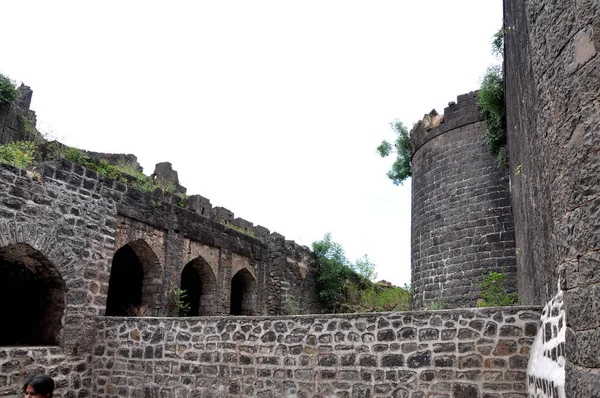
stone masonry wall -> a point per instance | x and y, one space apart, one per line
553 117
57 221
60 226
461 216
476 353
294 276
71 375
75 219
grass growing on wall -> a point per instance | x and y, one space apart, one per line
378 298
24 154
239 229
20 154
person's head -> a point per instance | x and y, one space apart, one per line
39 386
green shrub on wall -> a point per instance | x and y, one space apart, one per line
20 154
8 90
491 100
494 292
381 298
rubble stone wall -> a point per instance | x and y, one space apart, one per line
68 222
472 353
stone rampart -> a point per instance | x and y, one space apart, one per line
454 353
552 69
462 224
65 231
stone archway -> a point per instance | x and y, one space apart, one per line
243 293
135 284
32 297
199 282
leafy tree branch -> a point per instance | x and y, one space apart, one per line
402 166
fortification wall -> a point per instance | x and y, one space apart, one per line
553 119
61 229
458 353
461 216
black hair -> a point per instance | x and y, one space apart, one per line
41 384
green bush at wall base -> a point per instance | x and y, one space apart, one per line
494 292
385 299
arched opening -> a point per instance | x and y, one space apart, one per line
198 281
125 283
134 281
192 284
242 293
32 297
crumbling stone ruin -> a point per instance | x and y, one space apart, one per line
104 259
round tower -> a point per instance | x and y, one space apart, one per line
462 224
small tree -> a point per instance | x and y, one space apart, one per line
365 268
333 269
402 166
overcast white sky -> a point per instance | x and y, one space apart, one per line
272 109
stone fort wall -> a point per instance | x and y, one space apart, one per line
62 228
462 225
553 117
454 353
66 225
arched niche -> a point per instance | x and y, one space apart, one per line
135 284
32 297
199 282
243 293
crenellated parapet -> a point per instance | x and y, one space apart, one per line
463 112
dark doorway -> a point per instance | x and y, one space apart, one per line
192 284
32 297
242 286
199 282
125 284
237 295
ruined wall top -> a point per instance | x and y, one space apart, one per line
17 118
462 112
